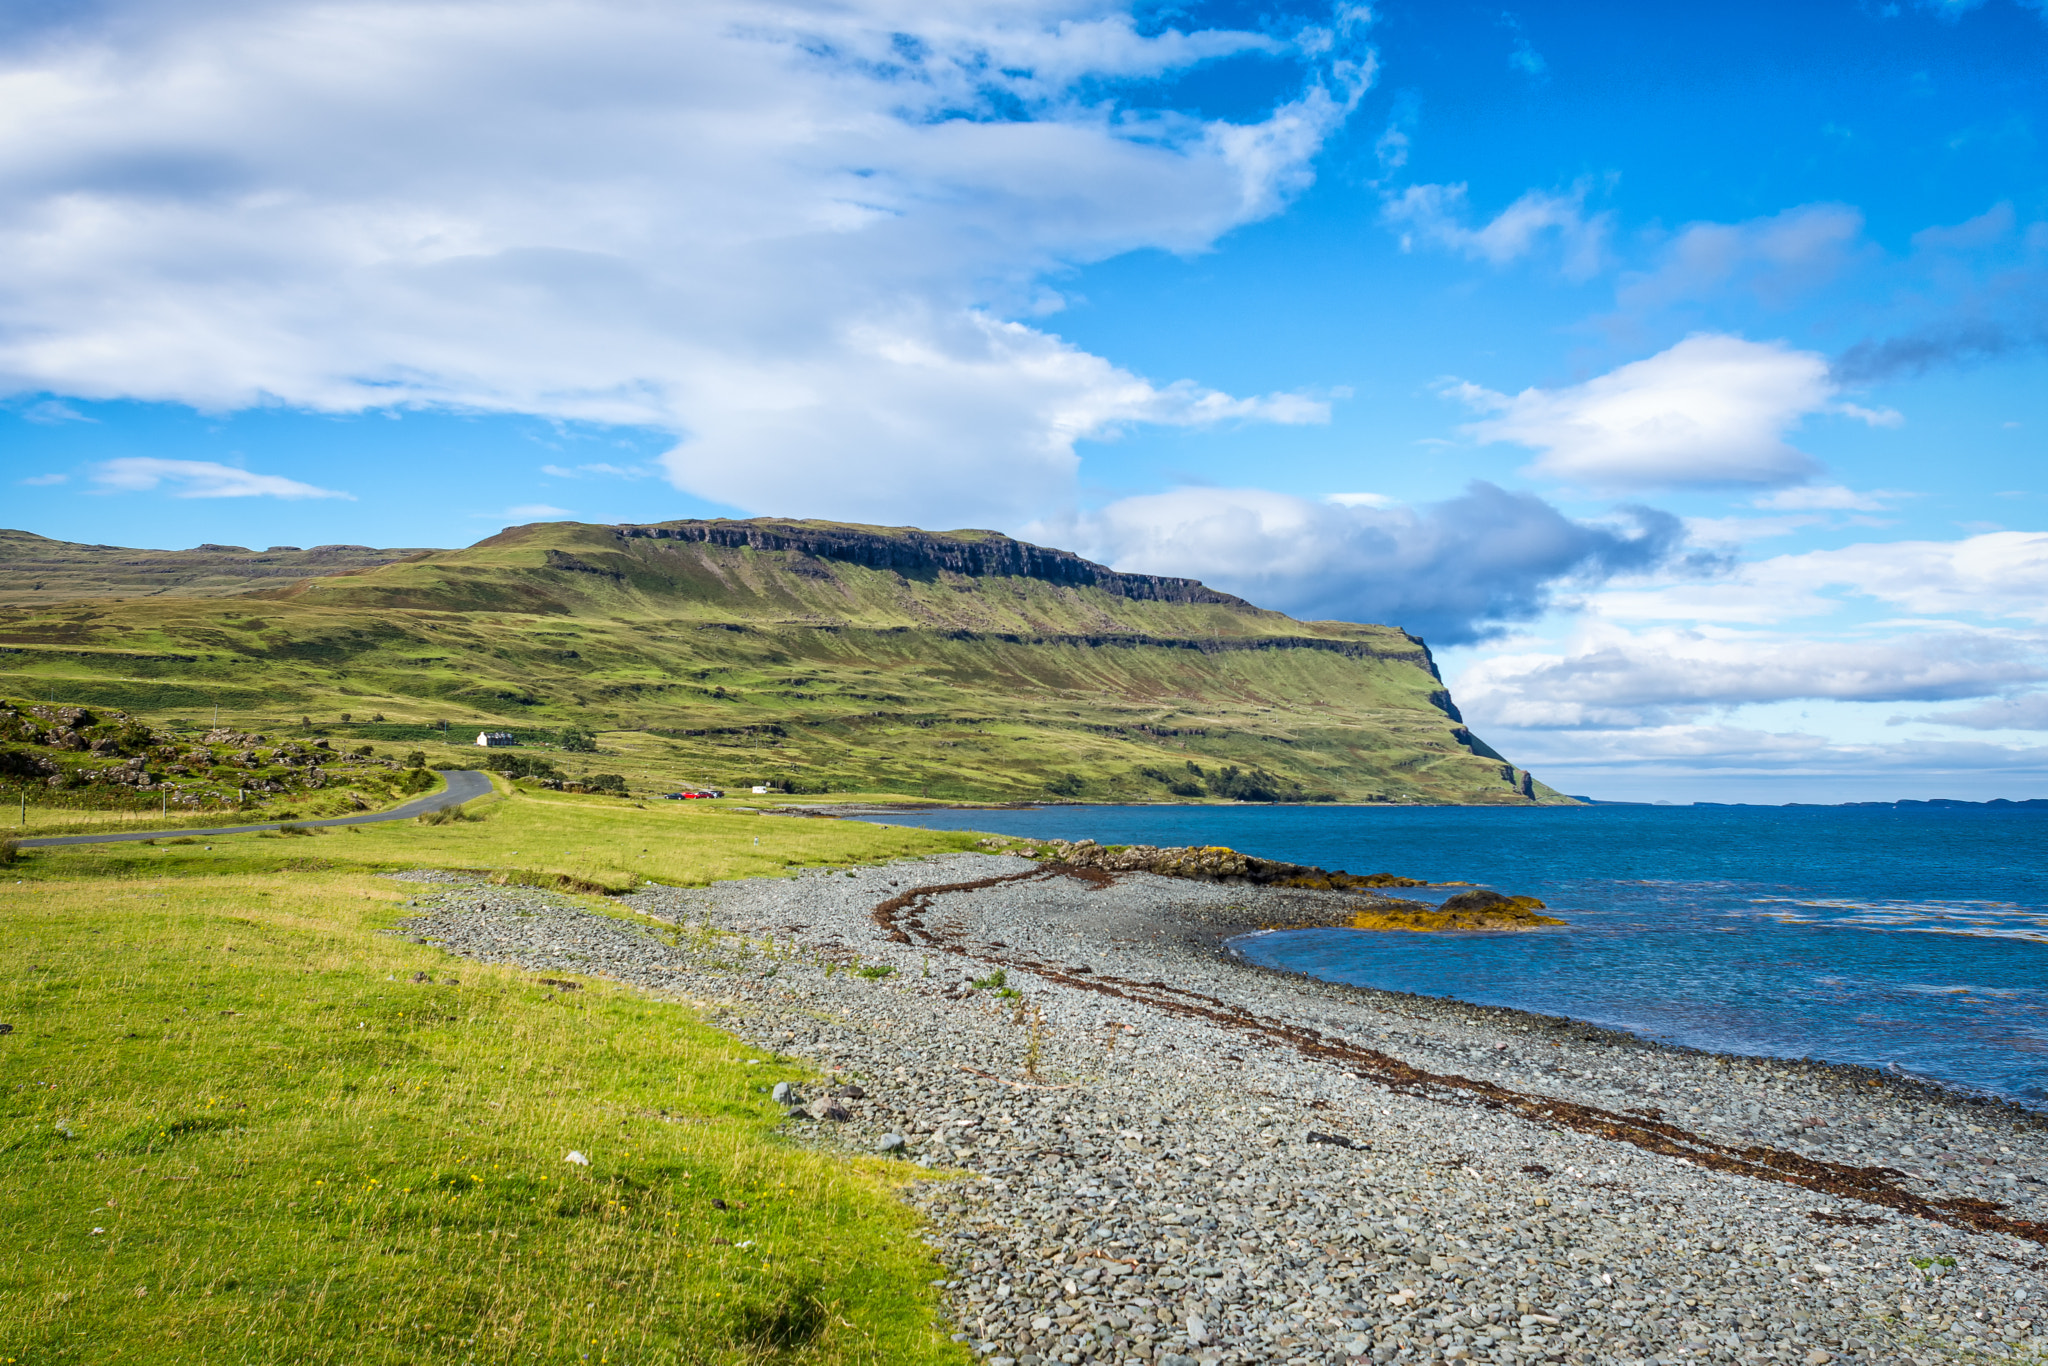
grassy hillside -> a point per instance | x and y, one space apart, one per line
817 655
37 571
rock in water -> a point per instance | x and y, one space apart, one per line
1478 909
1480 899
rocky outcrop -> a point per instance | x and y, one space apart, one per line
915 553
81 748
1478 909
1215 863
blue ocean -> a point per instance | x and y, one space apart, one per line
1913 938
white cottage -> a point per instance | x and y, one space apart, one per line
491 739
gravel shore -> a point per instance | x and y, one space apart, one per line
1156 1152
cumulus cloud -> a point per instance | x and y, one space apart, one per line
795 235
1711 410
200 479
1438 216
1451 572
1610 677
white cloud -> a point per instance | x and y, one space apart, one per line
1451 571
965 414
1748 763
790 233
1360 500
201 479
1392 148
1828 497
1712 410
2028 711
1660 675
1527 59
1609 677
1436 216
1777 258
42 481
1999 574
1987 229
51 412
584 471
528 512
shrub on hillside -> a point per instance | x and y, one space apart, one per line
515 765
579 742
1255 786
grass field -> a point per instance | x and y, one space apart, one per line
237 1130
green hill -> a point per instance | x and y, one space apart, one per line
818 655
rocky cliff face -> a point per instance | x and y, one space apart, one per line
915 554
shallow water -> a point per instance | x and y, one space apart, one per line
1913 937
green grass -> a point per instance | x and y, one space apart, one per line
296 1153
528 836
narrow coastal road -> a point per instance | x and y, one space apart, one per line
464 784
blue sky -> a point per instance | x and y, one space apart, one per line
1677 372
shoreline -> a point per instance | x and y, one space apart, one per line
1933 1090
1176 1156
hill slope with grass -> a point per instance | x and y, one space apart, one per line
816 656
37 571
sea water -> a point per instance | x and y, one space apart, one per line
1912 938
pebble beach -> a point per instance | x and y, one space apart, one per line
1133 1146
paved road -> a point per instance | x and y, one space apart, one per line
463 785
